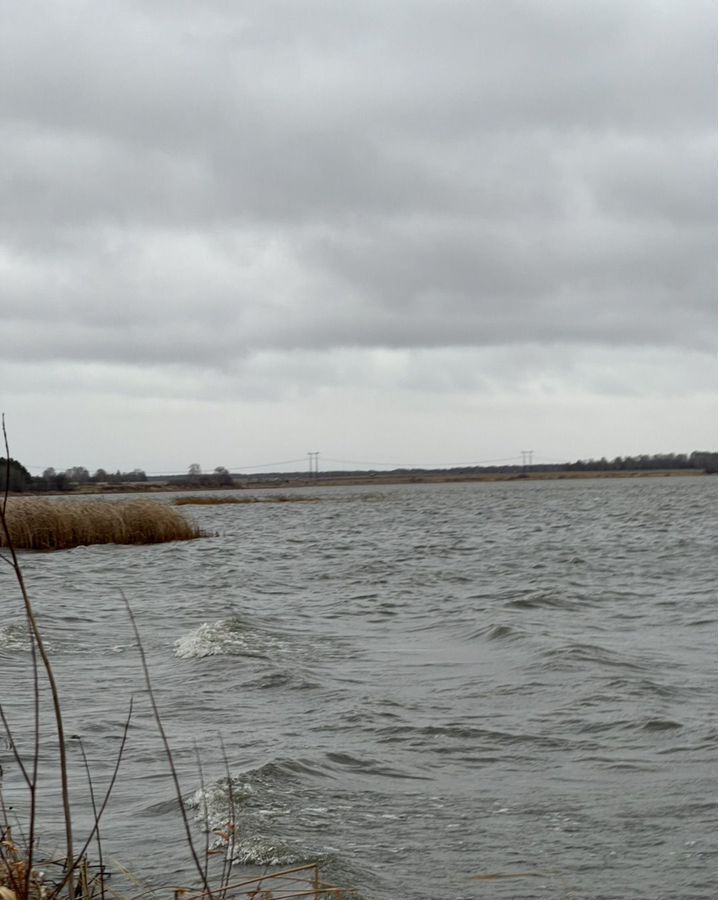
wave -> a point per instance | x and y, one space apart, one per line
248 813
456 738
227 637
271 680
545 600
659 724
15 638
368 766
260 852
494 632
643 687
569 656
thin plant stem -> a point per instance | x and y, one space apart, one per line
205 811
108 792
231 824
35 765
96 826
167 749
6 844
35 630
6 486
13 747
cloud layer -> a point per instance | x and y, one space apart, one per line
355 191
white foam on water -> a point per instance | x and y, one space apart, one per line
15 636
223 638
259 852
255 809
212 802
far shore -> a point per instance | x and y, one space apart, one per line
355 479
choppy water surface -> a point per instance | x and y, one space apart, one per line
414 685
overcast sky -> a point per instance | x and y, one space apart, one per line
404 232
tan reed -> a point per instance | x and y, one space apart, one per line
36 523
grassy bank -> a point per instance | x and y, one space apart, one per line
34 523
339 479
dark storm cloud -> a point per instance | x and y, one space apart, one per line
190 182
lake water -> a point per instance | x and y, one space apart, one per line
415 685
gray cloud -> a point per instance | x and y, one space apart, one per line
200 188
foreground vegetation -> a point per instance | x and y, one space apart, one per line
34 523
27 873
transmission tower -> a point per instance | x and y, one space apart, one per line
313 463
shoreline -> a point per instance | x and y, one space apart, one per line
358 480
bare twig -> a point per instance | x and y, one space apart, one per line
7 846
35 765
35 630
96 816
168 751
13 747
108 792
6 486
205 811
231 825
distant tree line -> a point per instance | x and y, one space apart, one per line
76 476
699 459
14 476
20 480
51 480
195 477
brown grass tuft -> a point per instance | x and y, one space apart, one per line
15 881
39 524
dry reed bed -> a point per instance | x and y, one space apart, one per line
39 524
216 501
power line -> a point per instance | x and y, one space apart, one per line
433 465
283 462
552 459
526 458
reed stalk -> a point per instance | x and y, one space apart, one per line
36 637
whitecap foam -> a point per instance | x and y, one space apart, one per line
15 636
257 851
257 809
212 802
226 638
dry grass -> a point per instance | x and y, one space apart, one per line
216 501
14 880
39 524
17 882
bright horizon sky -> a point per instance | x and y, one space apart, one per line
405 233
